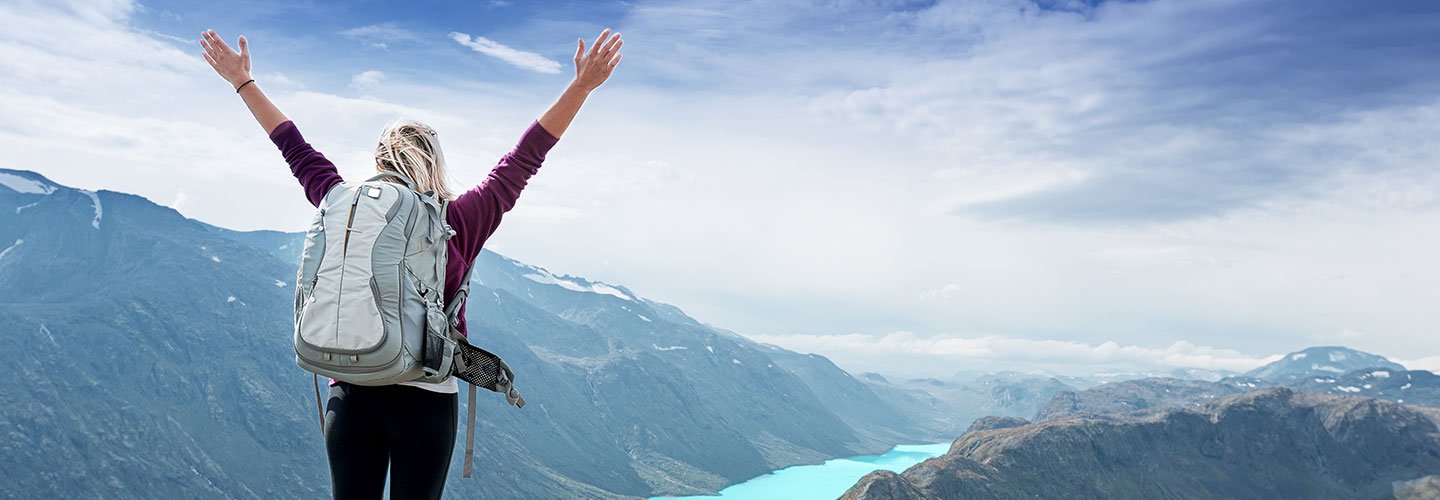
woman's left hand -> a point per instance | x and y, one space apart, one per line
233 66
593 67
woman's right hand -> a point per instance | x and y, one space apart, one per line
233 66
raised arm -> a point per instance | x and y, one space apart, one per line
476 213
592 68
234 67
315 172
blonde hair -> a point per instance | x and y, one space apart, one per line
412 148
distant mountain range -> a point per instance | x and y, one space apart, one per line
1271 443
1374 377
150 357
1325 422
952 405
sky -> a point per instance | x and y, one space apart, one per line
910 187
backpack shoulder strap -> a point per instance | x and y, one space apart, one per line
452 308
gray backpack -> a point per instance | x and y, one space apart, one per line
369 305
371 280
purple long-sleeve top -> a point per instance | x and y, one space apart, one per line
474 215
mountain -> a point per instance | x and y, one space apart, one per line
151 357
1270 443
949 407
1320 362
1378 379
1142 396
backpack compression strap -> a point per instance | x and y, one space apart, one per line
452 310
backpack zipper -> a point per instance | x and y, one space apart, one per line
345 247
344 251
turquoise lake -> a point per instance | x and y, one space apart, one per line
825 481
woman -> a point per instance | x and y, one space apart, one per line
409 428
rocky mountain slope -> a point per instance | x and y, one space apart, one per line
150 357
1374 378
1271 443
1142 396
1402 386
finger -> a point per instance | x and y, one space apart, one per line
210 60
209 51
599 40
610 46
615 62
220 42
245 52
579 50
614 50
211 47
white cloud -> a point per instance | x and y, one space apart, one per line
381 36
527 60
279 78
935 355
944 292
367 80
1430 363
180 200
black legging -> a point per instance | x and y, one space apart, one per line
411 430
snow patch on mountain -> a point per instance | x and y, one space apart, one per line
48 335
544 277
25 185
99 210
23 207
668 347
11 247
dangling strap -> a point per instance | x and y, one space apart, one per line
318 409
469 433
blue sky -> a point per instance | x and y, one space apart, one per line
936 185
